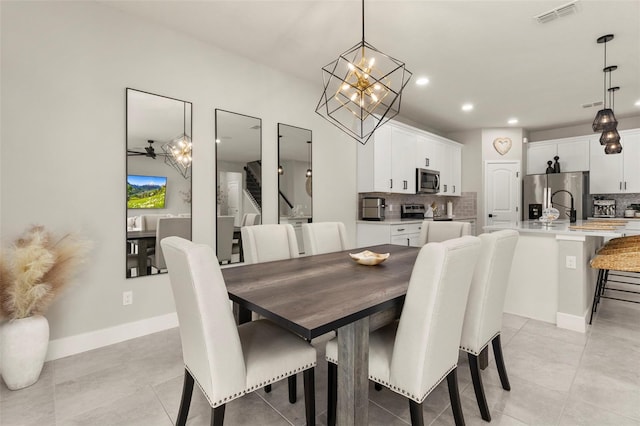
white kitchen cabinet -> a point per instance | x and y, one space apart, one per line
451 172
429 153
375 233
386 163
405 234
573 154
616 173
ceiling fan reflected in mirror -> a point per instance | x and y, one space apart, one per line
147 151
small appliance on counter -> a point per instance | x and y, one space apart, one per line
604 208
412 211
373 208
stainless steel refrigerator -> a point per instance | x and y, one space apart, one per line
557 188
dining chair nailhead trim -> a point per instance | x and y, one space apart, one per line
402 391
252 388
471 351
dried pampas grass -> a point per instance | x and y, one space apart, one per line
36 269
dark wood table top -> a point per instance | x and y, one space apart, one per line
315 294
135 235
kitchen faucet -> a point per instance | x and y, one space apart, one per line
572 210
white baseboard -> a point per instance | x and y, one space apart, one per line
572 322
59 348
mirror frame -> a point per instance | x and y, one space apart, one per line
311 165
188 124
217 159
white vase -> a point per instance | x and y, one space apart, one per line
23 350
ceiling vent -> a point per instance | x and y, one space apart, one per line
564 10
592 104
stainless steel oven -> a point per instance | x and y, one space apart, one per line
427 181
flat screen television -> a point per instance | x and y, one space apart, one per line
146 192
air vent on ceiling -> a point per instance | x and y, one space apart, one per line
592 104
564 10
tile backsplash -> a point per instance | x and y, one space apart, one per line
463 206
622 202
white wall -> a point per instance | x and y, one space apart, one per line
65 67
580 129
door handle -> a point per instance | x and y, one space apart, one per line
493 215
426 162
391 183
454 189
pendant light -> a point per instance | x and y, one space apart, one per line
178 151
610 136
605 119
362 89
308 173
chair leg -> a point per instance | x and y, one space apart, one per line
454 396
267 388
596 294
415 409
310 395
502 370
293 389
332 393
476 378
185 401
377 387
217 415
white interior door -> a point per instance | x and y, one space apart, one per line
502 192
234 188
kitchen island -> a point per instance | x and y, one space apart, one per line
551 279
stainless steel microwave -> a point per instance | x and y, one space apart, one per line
427 181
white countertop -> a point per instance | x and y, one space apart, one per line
558 227
406 221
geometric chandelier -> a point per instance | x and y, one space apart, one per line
362 89
178 151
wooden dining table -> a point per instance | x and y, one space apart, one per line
313 295
143 240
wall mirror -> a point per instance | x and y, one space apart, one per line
158 191
295 174
238 180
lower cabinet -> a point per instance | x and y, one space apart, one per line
404 234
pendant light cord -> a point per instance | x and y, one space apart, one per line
604 86
363 23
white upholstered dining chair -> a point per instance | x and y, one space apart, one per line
438 231
167 227
483 316
266 243
324 237
225 360
413 355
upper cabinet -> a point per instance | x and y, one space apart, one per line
385 164
388 162
616 173
573 155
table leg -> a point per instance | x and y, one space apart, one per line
483 358
353 374
142 256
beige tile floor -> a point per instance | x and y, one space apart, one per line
558 377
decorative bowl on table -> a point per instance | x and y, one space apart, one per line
369 258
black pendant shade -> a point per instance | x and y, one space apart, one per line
613 148
604 121
609 137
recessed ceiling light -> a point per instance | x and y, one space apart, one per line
512 121
422 81
467 107
637 103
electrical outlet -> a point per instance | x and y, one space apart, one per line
570 262
127 298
